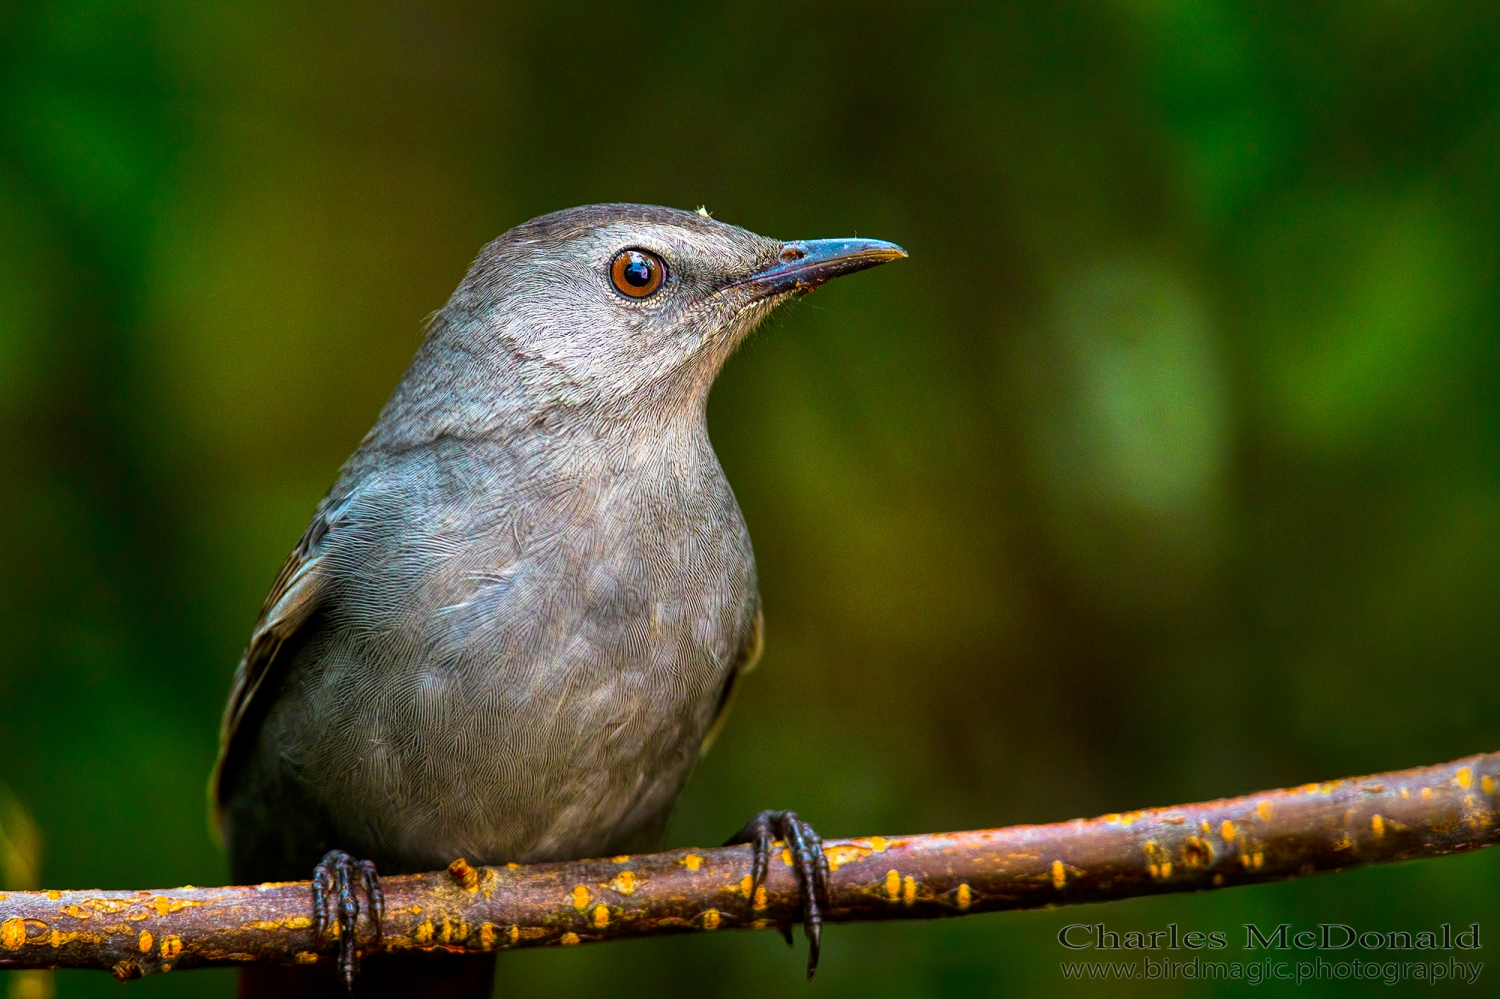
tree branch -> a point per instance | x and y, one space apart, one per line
1425 812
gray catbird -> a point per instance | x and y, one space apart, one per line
517 617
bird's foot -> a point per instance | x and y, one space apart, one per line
337 881
808 860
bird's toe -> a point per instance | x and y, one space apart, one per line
809 861
338 881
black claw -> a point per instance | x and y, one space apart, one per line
369 880
808 860
335 876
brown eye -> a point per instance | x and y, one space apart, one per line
637 274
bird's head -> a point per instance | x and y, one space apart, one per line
633 304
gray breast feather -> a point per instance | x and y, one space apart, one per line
540 689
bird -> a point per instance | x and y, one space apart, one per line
516 619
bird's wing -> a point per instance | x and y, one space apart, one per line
745 662
297 592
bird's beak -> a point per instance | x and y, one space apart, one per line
807 263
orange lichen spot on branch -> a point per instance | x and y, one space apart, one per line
76 911
786 857
1264 811
269 925
1158 863
1426 794
747 884
623 858
513 935
164 905
305 957
144 941
601 915
908 890
1486 784
1059 875
580 897
54 894
1463 777
847 853
1173 820
57 938
624 882
893 884
692 861
1377 825
1227 831
964 896
13 933
759 902
568 939
1258 860
1197 853
488 932
465 874
136 915
711 919
171 946
110 905
424 932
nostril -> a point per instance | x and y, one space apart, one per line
791 253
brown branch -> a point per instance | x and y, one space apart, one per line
1426 812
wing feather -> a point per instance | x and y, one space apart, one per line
297 592
746 661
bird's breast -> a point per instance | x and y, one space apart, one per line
532 678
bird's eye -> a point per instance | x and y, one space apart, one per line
637 273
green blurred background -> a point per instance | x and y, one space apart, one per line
1168 467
